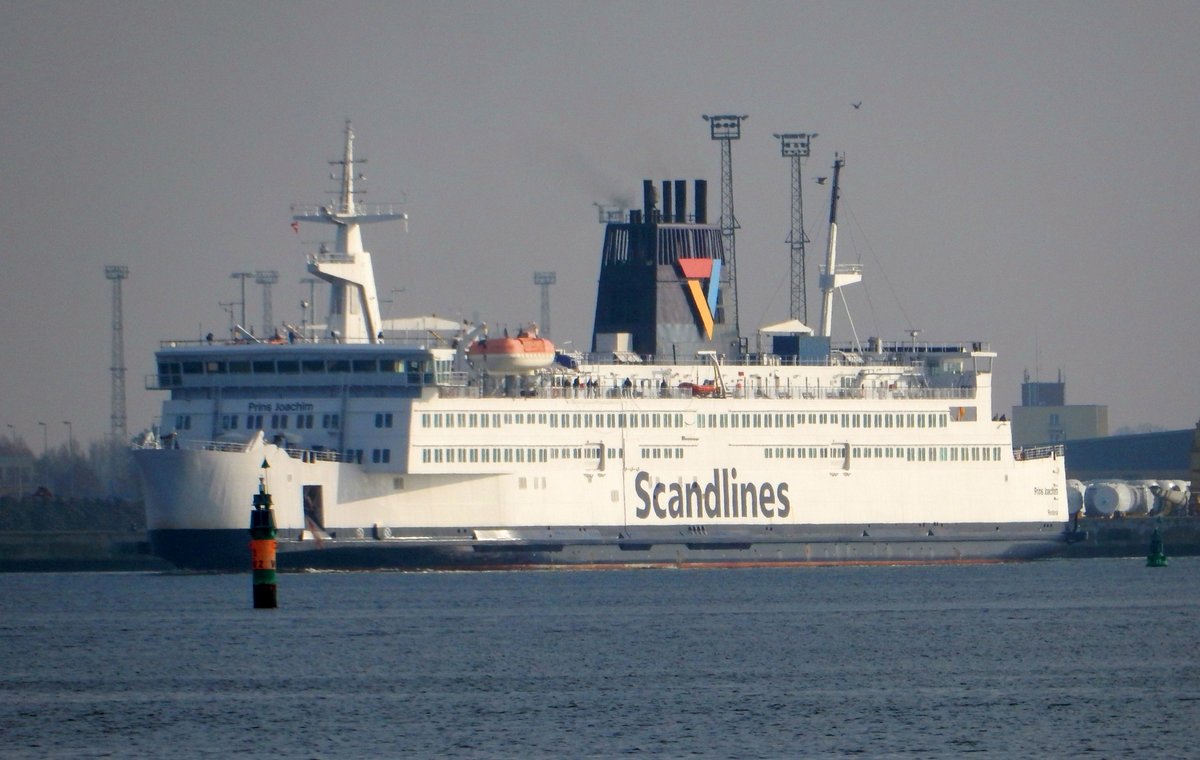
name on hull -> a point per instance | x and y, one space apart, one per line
280 406
722 497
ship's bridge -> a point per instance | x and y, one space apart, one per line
254 367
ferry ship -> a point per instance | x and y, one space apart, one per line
669 443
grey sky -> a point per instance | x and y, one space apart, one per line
1019 173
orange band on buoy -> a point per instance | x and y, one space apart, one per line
262 554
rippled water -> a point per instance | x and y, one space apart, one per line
1059 658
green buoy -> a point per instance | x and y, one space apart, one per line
1157 557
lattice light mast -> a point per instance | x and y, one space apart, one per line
117 419
267 278
726 128
545 279
796 145
243 276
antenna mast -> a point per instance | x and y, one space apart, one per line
117 420
354 301
834 276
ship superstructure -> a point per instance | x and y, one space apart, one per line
668 443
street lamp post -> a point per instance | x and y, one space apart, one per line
70 460
12 432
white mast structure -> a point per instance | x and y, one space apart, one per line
834 276
354 303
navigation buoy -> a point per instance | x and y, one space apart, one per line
262 547
1157 557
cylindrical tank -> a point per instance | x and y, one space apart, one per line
1074 496
1090 505
1112 497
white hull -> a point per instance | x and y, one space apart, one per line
710 486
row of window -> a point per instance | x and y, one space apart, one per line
390 371
278 421
662 453
414 367
669 420
606 420
843 419
574 420
509 455
378 456
521 455
907 453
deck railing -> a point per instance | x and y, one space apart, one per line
1038 452
238 447
744 392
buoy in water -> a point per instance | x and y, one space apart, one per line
262 548
1157 557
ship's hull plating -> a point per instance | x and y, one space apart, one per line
226 549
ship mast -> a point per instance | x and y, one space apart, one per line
354 302
833 276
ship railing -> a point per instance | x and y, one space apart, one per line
1025 453
188 444
583 391
330 257
418 339
315 455
873 353
301 212
236 447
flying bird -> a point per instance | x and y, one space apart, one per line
857 105
821 180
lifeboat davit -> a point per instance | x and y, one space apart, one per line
512 356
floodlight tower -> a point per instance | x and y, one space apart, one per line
267 278
726 128
545 279
243 276
117 418
796 145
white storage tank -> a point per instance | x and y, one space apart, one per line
1075 491
1114 497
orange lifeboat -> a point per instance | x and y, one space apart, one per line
512 356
